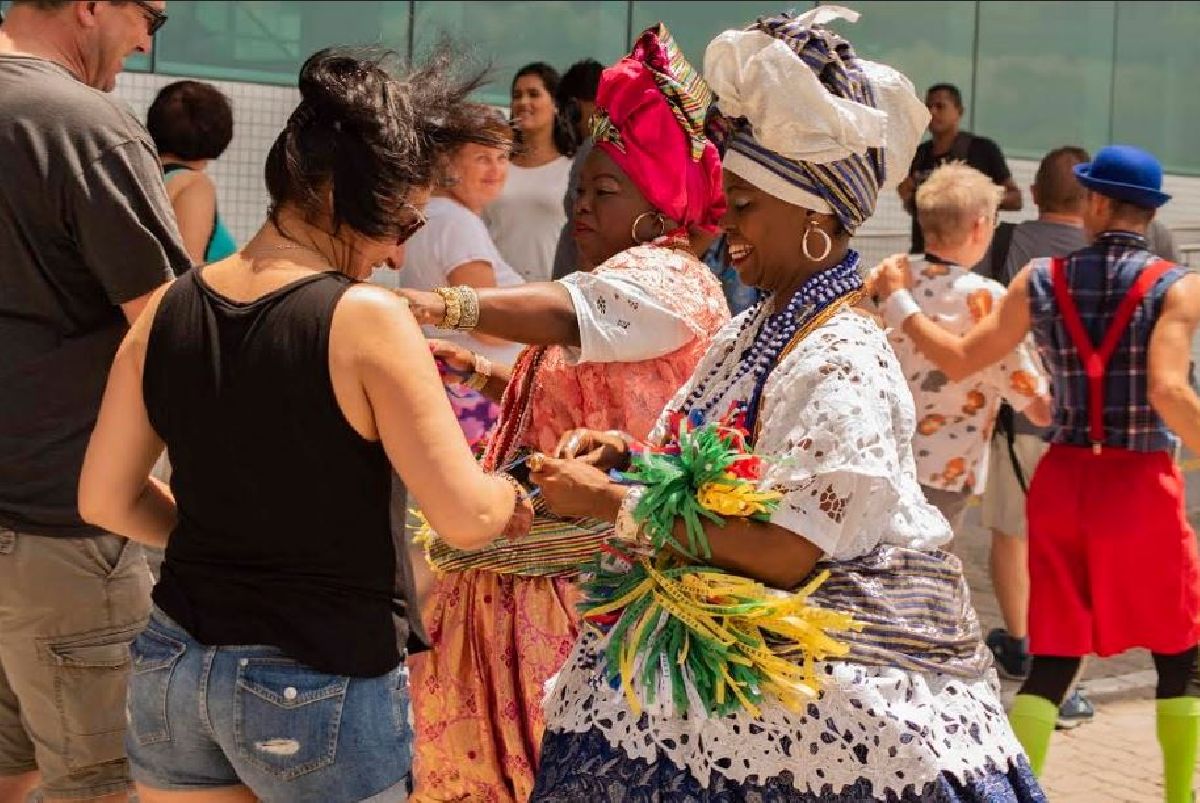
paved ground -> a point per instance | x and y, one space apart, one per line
1115 757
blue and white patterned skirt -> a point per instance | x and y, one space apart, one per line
872 734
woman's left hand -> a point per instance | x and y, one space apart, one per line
574 488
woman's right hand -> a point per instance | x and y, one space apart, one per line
460 361
604 450
427 307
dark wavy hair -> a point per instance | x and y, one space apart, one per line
563 132
191 120
365 134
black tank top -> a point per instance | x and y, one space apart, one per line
284 535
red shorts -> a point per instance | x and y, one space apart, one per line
1112 558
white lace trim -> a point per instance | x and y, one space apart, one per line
888 726
837 425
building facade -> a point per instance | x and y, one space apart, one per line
1034 75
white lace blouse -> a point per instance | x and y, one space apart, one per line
837 425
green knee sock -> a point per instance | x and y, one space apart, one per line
1032 719
1178 732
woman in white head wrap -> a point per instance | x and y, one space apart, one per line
910 710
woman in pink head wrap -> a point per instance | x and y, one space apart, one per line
608 348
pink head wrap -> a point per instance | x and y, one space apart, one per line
650 111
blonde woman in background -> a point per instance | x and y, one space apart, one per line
454 249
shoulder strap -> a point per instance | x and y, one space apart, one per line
168 169
1146 280
1094 360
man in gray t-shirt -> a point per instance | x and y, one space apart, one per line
86 234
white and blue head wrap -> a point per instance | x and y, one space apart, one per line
809 121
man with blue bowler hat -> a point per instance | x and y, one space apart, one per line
1112 560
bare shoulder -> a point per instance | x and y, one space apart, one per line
192 181
368 315
1183 297
191 187
371 299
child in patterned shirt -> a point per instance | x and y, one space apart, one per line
955 415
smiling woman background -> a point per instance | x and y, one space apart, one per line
527 218
455 249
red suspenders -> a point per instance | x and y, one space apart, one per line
1094 360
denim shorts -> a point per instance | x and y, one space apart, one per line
209 717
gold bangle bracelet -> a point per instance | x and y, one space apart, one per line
453 301
468 301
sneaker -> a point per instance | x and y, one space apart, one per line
1012 659
1074 711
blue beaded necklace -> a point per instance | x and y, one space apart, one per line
816 294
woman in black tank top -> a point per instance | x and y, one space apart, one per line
285 392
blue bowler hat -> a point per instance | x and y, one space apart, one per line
1125 173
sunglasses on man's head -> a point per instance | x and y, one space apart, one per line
411 227
155 19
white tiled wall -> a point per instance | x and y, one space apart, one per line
259 112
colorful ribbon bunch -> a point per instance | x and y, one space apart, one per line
704 471
703 636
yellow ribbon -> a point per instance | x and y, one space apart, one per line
424 534
702 601
735 498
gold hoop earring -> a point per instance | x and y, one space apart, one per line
662 227
812 226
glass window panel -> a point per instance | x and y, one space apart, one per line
1044 75
930 42
1156 105
512 34
138 62
268 40
695 24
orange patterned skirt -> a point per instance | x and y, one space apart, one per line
477 695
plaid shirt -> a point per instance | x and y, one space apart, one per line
1099 277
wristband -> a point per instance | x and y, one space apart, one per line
899 307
